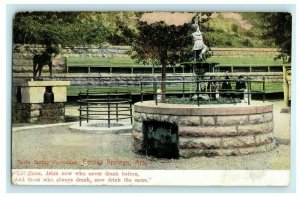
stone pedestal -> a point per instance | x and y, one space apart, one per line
29 104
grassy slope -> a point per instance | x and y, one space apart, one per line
228 32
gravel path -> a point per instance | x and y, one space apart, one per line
58 147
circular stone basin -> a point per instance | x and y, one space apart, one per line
101 127
210 130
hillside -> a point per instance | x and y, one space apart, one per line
224 29
236 30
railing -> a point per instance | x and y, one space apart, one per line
170 70
93 106
287 78
197 90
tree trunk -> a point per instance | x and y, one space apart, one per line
163 84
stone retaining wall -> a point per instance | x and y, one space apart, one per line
245 51
211 130
129 79
23 55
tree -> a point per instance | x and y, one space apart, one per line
161 44
58 28
278 29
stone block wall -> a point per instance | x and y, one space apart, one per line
29 104
211 130
38 112
245 51
23 55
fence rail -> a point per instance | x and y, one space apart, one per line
170 70
197 90
113 106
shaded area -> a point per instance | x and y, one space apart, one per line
160 139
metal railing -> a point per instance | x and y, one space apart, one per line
197 90
109 106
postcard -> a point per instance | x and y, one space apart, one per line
151 98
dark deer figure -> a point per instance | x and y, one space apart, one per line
39 61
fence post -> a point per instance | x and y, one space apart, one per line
142 98
80 112
264 89
117 106
198 93
108 109
248 89
155 92
183 87
130 108
87 106
286 84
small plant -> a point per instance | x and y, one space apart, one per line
191 101
235 28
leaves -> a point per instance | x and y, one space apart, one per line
159 43
189 101
58 28
278 29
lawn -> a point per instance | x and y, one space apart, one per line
246 60
174 88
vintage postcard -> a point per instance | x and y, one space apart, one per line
151 98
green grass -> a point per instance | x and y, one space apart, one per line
246 60
74 90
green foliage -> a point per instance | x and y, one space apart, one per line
228 32
248 43
57 28
190 101
120 25
278 29
235 28
161 44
